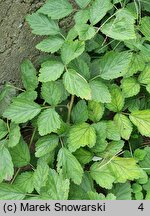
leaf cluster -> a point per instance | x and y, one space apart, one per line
78 128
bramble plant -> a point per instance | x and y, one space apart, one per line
79 129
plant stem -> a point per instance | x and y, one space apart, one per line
15 175
16 88
8 126
70 108
32 137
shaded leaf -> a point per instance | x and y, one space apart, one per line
71 168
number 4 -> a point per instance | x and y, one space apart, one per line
141 207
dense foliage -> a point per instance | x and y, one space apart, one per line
79 129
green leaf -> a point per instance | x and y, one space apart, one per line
100 92
124 125
114 64
21 111
75 84
10 192
144 77
118 170
46 145
28 75
83 3
122 191
40 176
81 17
52 44
95 111
117 102
137 64
71 168
6 165
121 27
14 135
81 67
50 71
24 182
141 119
80 192
101 143
28 95
56 90
113 148
130 87
71 50
148 88
6 95
3 129
112 131
85 31
98 10
42 25
58 187
20 154
79 113
81 135
95 196
56 9
48 122
145 163
83 156
144 26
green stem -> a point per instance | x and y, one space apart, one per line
12 181
32 137
70 108
16 88
8 126
106 22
